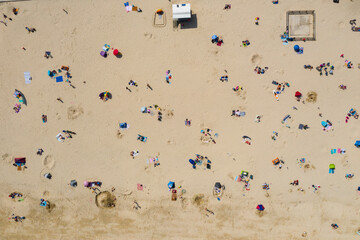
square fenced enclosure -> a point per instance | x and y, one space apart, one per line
301 25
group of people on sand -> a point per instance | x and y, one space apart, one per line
15 12
217 40
260 70
325 67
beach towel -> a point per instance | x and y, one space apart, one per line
20 161
59 79
124 125
332 151
27 78
242 114
276 95
128 8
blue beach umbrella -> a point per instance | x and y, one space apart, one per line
171 185
296 48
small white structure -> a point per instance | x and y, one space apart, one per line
181 11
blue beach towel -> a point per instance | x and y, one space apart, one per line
59 79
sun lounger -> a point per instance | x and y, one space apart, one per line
28 78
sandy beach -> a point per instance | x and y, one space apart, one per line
321 206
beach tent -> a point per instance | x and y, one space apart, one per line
181 11
357 143
260 207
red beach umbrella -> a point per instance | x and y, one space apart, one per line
116 52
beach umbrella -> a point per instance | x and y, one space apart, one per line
298 94
86 183
260 207
296 48
357 143
171 185
214 37
104 54
143 109
116 52
358 188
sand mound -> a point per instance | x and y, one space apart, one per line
169 113
199 200
255 59
7 158
119 135
74 112
205 139
311 97
49 162
105 200
260 213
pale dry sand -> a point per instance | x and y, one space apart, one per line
96 153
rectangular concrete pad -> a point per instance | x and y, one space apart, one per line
300 25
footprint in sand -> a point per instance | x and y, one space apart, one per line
169 113
341 24
74 112
7 158
256 59
49 162
148 35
